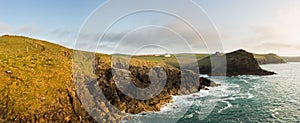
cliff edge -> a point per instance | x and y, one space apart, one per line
36 84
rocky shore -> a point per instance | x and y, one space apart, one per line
117 100
38 85
177 82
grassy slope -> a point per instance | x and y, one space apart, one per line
42 69
41 74
173 60
268 58
39 70
188 59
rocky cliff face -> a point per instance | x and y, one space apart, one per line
269 59
151 77
239 62
134 88
36 85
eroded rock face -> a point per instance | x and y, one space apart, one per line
239 62
76 92
173 82
74 103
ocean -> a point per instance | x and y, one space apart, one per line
239 99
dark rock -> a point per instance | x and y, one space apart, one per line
177 83
239 62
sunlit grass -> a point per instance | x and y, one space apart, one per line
39 71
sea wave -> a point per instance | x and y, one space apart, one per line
202 103
228 106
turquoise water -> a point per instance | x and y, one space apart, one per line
273 98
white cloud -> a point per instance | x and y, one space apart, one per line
279 34
175 36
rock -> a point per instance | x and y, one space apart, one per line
69 93
239 62
203 88
105 110
67 119
8 72
214 84
43 98
205 81
177 82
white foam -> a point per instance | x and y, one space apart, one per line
231 98
275 112
189 116
273 115
228 106
294 101
250 96
182 103
206 99
245 81
247 95
204 75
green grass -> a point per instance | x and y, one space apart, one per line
39 70
44 70
174 59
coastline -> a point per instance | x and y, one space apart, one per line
58 91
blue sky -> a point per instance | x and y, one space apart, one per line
54 20
261 26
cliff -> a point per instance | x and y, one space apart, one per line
269 59
143 76
37 84
239 62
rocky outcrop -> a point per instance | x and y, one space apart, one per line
134 88
170 79
239 62
269 59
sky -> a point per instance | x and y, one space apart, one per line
260 26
